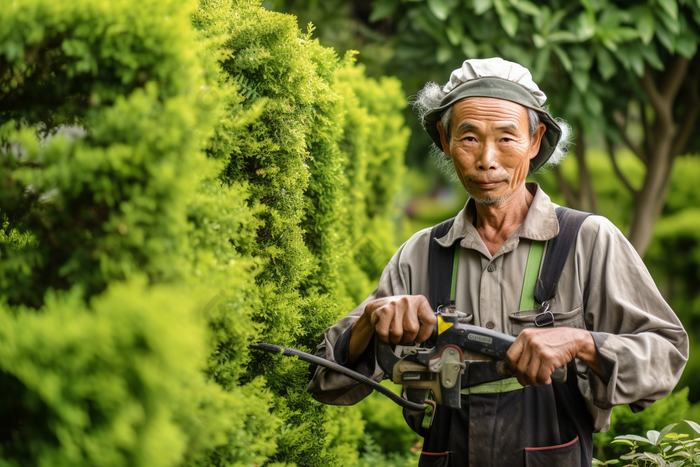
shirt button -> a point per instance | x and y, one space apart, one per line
490 325
491 268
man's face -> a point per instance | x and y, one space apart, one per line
490 147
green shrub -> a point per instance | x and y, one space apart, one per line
108 254
658 448
135 271
623 421
294 161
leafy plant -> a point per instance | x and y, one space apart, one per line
658 448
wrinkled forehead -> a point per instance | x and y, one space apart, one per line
490 111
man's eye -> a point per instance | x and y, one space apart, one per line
470 139
506 140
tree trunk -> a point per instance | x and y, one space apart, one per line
583 198
664 140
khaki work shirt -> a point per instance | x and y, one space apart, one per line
604 288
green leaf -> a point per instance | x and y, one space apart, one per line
541 63
656 458
539 41
606 63
544 18
509 21
581 78
694 426
623 34
575 104
686 46
651 56
431 26
585 26
670 7
633 456
646 25
382 9
634 438
622 441
556 19
666 39
668 21
636 61
441 8
526 7
587 5
454 31
562 36
582 57
469 47
653 436
443 54
563 57
499 6
482 6
609 44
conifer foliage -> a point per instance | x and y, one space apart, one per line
180 180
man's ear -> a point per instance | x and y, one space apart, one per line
536 139
444 140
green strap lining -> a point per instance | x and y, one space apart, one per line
532 270
493 387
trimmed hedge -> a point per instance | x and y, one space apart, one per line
170 194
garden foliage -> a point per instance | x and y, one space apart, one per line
178 183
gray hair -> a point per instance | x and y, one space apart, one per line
431 95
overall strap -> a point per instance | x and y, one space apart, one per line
532 271
558 249
440 265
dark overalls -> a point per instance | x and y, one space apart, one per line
500 422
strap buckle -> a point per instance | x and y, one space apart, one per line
545 317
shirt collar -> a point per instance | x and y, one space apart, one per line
540 223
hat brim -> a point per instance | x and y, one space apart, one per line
498 88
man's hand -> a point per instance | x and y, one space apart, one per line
396 320
536 353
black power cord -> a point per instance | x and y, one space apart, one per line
272 348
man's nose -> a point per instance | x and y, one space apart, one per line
487 159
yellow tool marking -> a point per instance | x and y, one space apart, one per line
442 325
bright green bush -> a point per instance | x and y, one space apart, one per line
294 161
115 234
113 385
374 142
386 424
135 271
132 95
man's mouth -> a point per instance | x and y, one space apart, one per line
486 184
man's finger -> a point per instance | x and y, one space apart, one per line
396 328
532 371
514 354
381 323
426 319
544 375
411 326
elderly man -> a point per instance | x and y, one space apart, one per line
621 341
